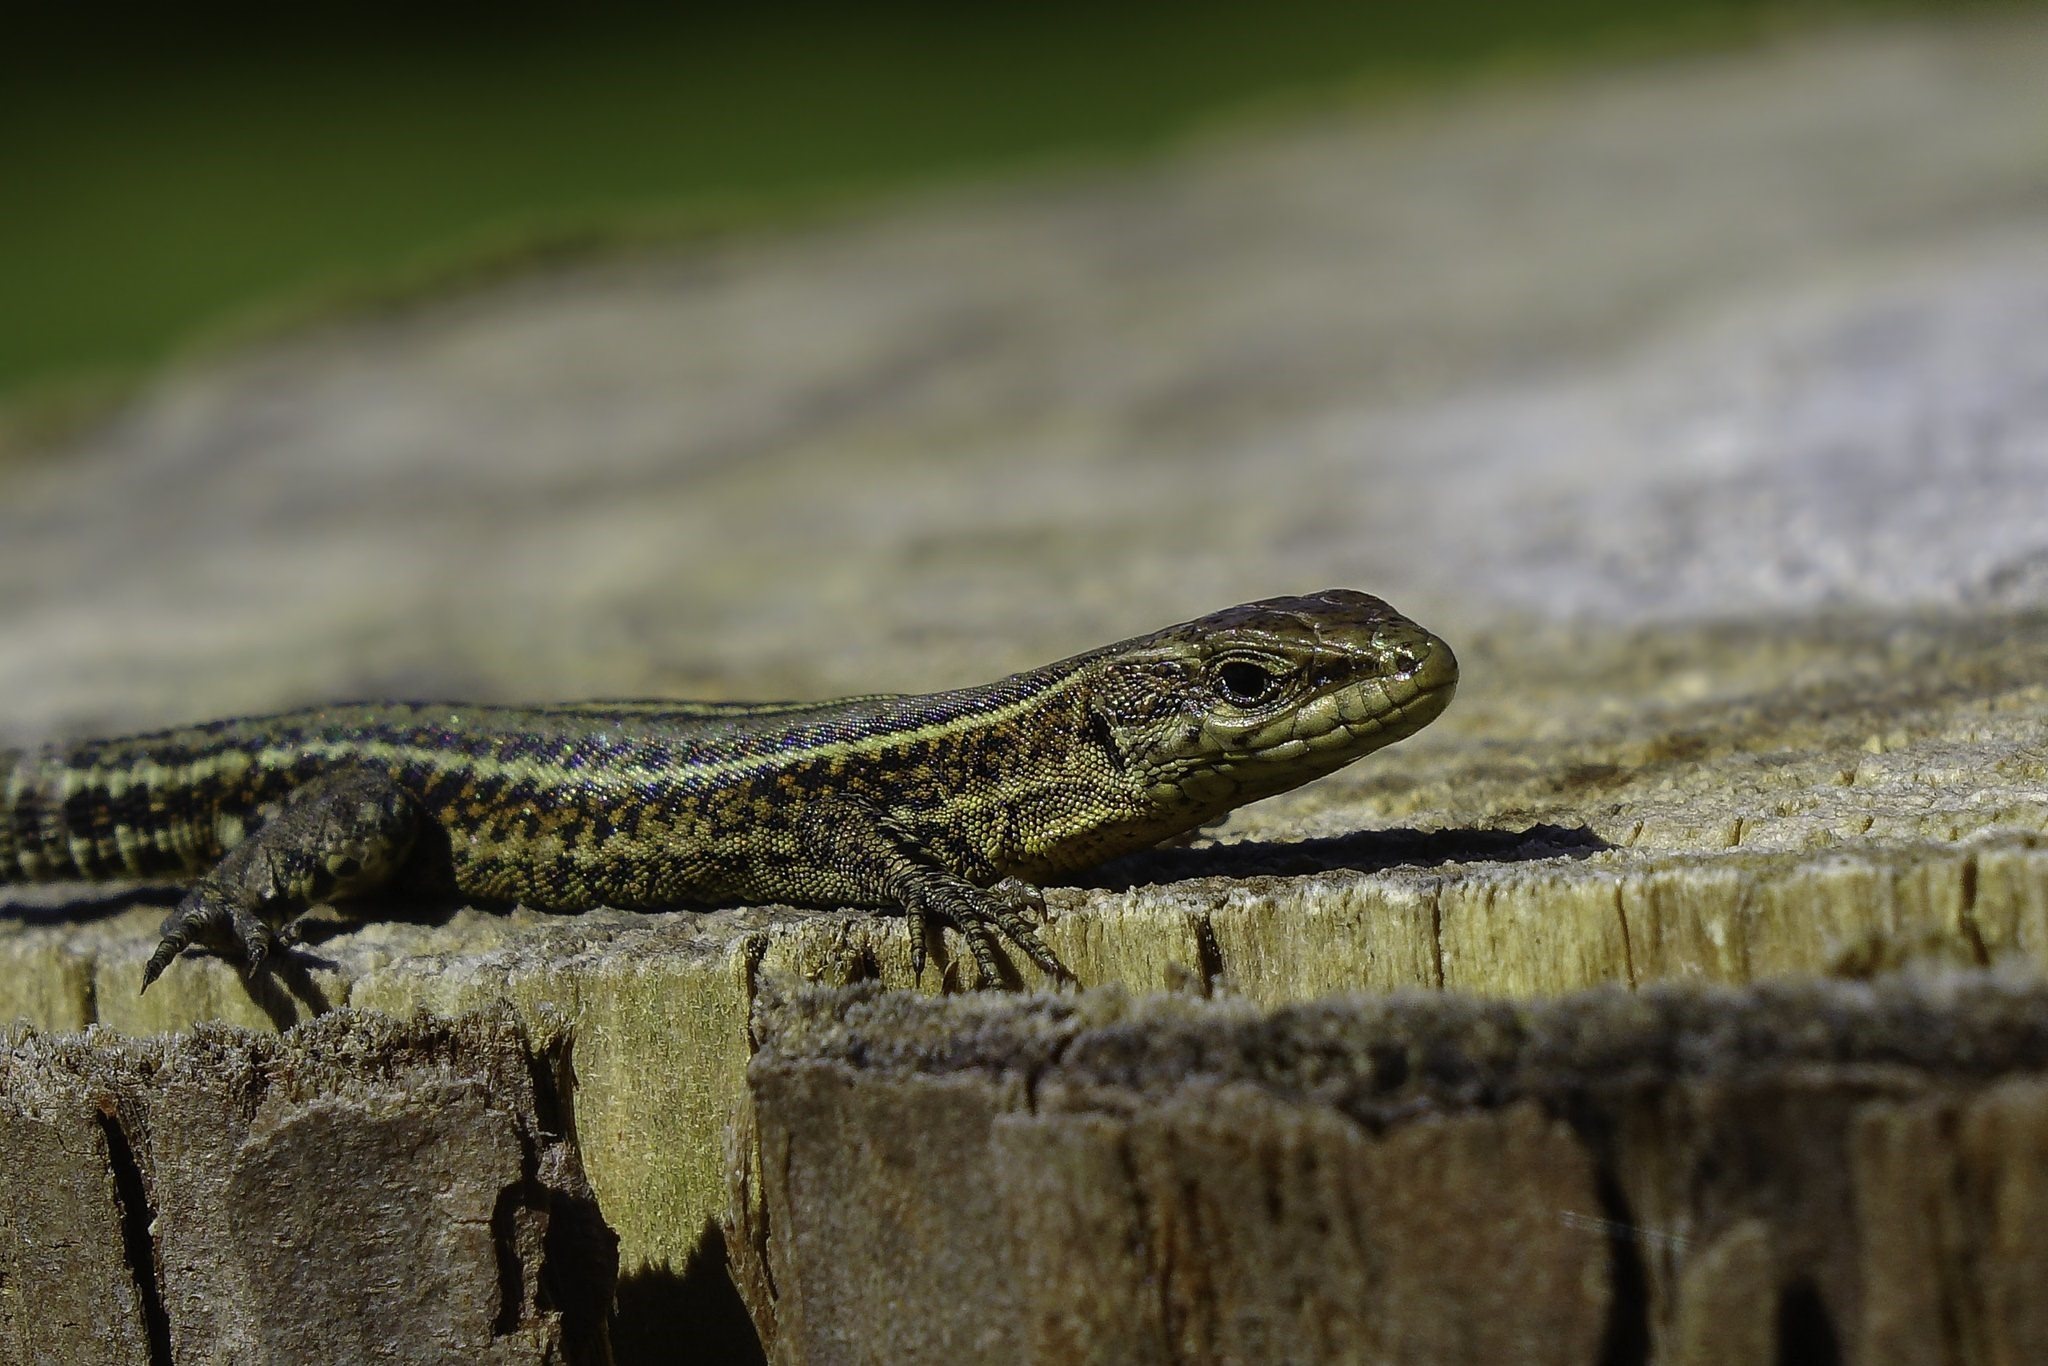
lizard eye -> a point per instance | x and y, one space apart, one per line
1244 683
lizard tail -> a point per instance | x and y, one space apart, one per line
34 844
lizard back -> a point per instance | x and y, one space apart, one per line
611 780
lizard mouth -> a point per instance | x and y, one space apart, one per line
1390 706
1359 716
1403 718
1410 699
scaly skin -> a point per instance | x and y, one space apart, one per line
946 806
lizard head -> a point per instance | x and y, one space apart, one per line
1259 698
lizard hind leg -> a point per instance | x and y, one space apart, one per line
336 835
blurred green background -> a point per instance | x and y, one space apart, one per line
168 174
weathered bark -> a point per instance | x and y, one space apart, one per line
1815 1172
357 1189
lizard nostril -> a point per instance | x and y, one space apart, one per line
1404 661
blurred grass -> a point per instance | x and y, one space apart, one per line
165 172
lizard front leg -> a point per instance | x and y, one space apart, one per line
338 835
886 865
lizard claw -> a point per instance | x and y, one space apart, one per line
204 915
255 937
980 913
168 948
198 914
917 926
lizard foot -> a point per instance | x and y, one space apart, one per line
980 913
203 917
338 834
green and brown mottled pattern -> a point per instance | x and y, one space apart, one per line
940 804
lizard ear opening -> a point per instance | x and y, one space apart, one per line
1104 734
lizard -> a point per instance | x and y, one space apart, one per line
949 806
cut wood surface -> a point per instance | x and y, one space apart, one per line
1822 1172
1701 407
359 1189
